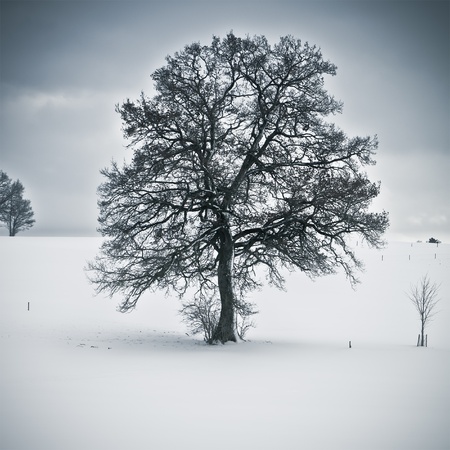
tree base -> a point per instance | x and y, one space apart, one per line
223 335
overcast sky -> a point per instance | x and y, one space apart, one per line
66 63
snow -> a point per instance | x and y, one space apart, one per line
77 375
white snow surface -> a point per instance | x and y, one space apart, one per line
78 375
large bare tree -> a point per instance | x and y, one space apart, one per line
234 166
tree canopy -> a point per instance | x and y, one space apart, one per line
234 166
16 213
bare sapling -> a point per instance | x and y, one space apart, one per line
424 297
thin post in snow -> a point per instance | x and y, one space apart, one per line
28 306
349 344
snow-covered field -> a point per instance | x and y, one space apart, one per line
77 375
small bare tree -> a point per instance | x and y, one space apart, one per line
202 314
424 297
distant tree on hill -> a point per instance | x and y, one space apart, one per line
432 240
5 188
16 213
424 298
235 166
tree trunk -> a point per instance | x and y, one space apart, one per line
225 330
423 334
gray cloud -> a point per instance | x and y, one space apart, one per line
65 64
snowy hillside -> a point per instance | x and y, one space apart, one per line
77 375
